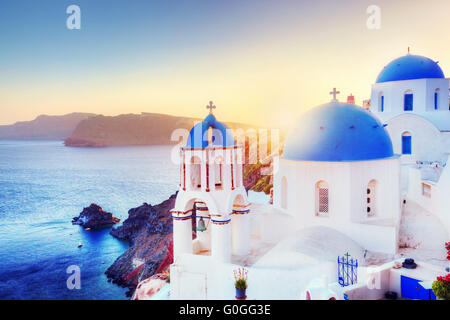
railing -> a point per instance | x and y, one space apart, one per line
347 270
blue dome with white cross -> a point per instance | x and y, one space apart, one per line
338 132
410 67
221 134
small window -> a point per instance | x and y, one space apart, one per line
406 143
426 190
322 198
436 99
408 101
381 102
371 198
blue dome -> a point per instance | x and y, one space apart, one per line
198 136
338 132
410 67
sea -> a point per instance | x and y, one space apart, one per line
43 185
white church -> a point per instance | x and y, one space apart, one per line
370 183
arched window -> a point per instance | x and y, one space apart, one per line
436 99
218 172
284 193
371 198
406 143
322 199
408 101
381 102
196 173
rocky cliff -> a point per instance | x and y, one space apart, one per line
131 129
149 231
44 127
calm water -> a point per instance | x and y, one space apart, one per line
43 185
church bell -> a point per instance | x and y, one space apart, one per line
201 225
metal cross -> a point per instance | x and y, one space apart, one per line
334 93
210 107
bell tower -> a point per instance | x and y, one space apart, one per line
211 191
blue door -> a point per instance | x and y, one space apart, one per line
412 289
406 144
408 103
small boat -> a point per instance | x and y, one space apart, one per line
88 229
80 245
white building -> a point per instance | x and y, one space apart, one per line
411 95
339 170
350 180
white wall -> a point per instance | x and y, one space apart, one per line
423 99
198 277
438 203
443 195
347 198
426 139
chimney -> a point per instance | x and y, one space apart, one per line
351 99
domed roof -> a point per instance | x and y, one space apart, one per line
198 136
338 132
410 67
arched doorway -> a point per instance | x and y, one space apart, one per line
201 226
406 143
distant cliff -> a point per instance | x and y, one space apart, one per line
44 127
131 129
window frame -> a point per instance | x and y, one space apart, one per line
322 187
406 137
408 101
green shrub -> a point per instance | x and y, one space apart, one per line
240 277
240 284
441 287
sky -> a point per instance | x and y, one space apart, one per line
261 62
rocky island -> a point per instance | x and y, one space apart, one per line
94 217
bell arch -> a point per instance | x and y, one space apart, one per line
195 173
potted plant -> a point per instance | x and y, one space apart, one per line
240 283
441 286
